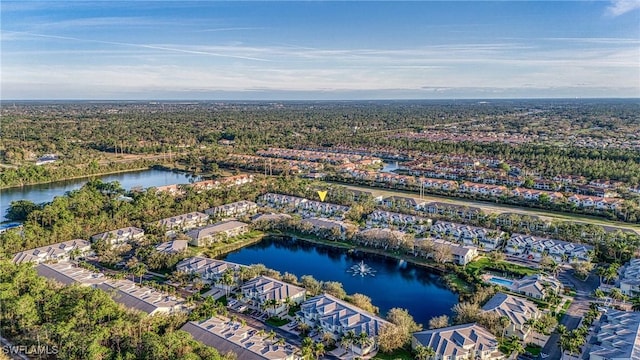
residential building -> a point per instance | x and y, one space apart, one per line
172 247
536 286
146 299
404 202
517 310
120 236
212 233
484 238
173 189
630 278
446 209
68 273
244 341
126 292
235 209
58 252
461 342
182 222
209 270
617 336
260 291
337 317
461 254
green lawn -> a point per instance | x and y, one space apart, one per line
485 263
277 322
401 354
533 349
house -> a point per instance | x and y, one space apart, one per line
172 247
517 310
145 299
461 342
263 290
617 336
337 317
461 254
59 252
211 233
536 286
182 222
245 341
235 209
47 159
630 278
120 236
404 221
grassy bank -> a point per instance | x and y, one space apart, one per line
238 242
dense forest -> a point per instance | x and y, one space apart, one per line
76 322
91 138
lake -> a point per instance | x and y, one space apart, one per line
395 284
46 192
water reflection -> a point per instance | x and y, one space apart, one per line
396 282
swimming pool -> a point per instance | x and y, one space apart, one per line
502 282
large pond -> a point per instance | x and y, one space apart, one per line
395 284
46 192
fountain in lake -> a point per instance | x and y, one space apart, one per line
361 269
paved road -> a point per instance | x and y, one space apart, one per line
575 312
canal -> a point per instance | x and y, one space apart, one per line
394 283
46 192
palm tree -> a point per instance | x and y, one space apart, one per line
363 340
504 324
635 303
422 352
306 348
348 340
318 350
616 294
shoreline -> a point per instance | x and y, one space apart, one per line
79 177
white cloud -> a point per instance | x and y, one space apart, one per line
619 7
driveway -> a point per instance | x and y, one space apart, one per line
575 312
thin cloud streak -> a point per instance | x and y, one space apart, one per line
145 46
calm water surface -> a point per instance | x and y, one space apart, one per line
46 192
395 284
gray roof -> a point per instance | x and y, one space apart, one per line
450 341
68 273
51 251
516 309
618 335
336 312
271 288
213 229
118 233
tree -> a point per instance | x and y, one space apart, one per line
422 352
312 285
442 253
390 338
582 268
139 270
334 288
348 340
363 340
405 324
20 210
363 302
439 322
466 312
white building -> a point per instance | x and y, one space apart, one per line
461 342
58 252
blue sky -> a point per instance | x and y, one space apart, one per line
319 49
